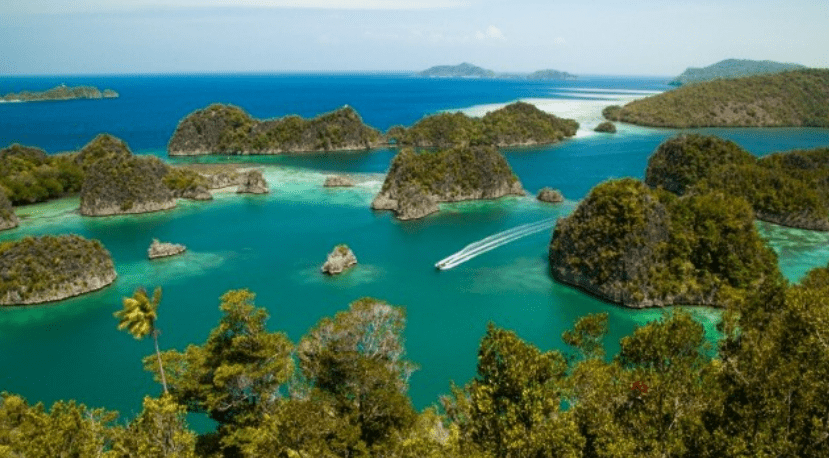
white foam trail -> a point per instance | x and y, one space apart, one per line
611 91
492 242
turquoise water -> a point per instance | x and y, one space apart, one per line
274 245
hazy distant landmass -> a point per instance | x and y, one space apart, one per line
62 92
467 70
732 68
795 98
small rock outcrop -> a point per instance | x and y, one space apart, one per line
550 195
606 127
417 182
226 129
163 249
338 181
340 259
51 268
8 219
253 182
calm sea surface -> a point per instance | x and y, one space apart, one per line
275 244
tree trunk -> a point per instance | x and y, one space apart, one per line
160 366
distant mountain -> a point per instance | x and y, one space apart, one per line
464 70
467 70
732 68
61 92
551 75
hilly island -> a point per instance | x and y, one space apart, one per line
798 98
61 92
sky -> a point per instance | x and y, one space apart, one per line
598 37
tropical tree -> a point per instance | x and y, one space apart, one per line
138 318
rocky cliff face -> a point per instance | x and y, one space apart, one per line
636 247
49 268
416 182
117 182
8 219
253 182
340 259
225 129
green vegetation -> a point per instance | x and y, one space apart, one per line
606 127
226 129
732 68
342 391
61 92
7 216
516 124
138 318
49 268
790 188
638 247
28 175
793 98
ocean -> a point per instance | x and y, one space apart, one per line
275 244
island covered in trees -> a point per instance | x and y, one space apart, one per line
226 129
416 182
790 99
467 70
62 92
51 268
517 124
732 68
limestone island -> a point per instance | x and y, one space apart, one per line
417 182
631 245
163 249
550 195
52 268
467 70
795 98
339 260
606 127
8 220
732 68
226 129
338 181
787 188
61 92
517 124
116 182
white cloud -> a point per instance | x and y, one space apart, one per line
559 41
491 32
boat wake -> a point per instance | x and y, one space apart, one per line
492 242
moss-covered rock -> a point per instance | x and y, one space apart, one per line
51 268
516 124
416 182
789 188
253 182
339 260
226 129
550 195
793 98
606 127
634 246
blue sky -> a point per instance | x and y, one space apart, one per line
653 37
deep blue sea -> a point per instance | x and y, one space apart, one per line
275 244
